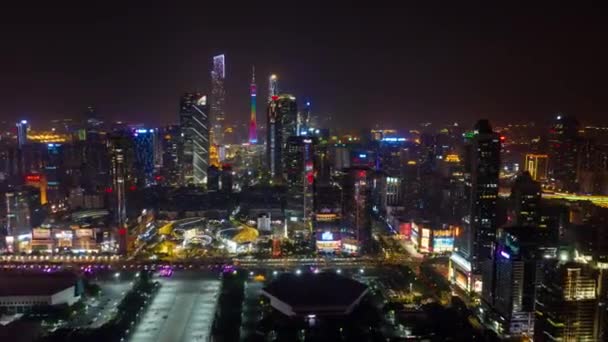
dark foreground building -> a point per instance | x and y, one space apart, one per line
312 295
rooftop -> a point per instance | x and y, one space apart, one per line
35 284
323 292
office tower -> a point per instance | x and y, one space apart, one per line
218 98
517 264
281 118
537 165
357 206
525 201
91 152
144 156
118 150
592 172
17 213
194 123
299 168
53 172
172 148
273 86
566 304
253 126
303 121
22 128
474 245
563 152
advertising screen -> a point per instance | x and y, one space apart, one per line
41 233
84 232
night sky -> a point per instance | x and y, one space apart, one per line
393 66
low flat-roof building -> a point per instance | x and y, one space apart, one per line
22 291
306 295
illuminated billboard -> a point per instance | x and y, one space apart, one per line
328 246
41 233
84 232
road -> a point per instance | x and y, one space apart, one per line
182 310
112 293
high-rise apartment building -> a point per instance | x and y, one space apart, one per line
218 98
194 124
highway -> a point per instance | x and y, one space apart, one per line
182 310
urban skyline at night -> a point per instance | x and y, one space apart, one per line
302 173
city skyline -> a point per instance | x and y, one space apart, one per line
476 63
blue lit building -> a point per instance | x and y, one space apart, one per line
144 155
22 128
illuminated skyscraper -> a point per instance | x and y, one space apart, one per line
566 304
273 86
282 116
481 190
144 156
536 165
517 265
299 174
172 148
218 98
22 128
563 152
119 150
253 126
194 122
525 201
357 203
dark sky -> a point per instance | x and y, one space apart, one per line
363 65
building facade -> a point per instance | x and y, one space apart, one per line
194 124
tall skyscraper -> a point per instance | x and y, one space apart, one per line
357 203
537 166
563 152
194 122
273 86
282 116
119 151
517 265
253 126
22 128
218 98
144 156
299 174
474 244
172 149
